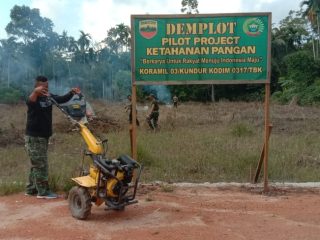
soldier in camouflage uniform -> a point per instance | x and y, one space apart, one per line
153 117
129 108
175 100
38 131
38 177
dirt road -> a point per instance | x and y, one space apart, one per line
184 213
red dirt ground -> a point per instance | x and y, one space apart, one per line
196 212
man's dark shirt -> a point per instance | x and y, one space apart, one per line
156 105
39 116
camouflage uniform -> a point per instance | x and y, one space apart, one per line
175 101
38 177
38 132
154 115
129 107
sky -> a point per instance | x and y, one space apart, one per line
96 17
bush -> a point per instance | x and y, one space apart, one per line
9 95
302 80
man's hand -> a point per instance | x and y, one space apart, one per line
76 90
41 91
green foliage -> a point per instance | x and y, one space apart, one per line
10 95
103 70
118 38
311 11
275 75
140 94
27 24
122 84
7 188
241 130
301 82
302 68
292 31
144 156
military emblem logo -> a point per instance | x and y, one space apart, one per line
148 28
253 27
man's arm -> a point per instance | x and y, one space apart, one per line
68 96
127 107
63 98
41 90
152 108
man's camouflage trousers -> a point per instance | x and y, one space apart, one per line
153 120
37 148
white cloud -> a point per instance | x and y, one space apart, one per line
98 16
48 9
65 14
279 8
221 6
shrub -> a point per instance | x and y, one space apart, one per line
9 95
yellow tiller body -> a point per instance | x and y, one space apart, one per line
110 181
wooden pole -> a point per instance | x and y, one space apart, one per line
212 93
133 132
266 137
258 169
267 112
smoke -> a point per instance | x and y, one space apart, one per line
58 87
161 92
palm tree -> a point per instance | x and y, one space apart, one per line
73 45
123 32
118 38
84 42
63 41
312 13
312 10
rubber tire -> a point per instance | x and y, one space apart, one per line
79 202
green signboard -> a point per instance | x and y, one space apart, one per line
201 49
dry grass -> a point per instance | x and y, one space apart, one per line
196 143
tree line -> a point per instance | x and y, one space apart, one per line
103 70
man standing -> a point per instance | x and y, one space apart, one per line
38 131
175 101
153 117
129 108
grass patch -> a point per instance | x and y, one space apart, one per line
241 130
7 188
199 154
167 188
201 143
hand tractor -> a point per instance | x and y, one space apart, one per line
110 181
